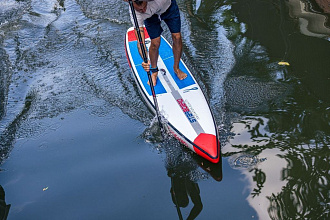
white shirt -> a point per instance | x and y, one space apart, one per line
153 7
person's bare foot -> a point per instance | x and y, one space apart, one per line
154 78
181 75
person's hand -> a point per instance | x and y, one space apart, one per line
146 66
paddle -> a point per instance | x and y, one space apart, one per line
176 201
145 59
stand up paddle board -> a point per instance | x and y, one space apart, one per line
181 102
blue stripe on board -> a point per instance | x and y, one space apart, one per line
166 53
137 60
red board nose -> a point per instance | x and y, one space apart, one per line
208 146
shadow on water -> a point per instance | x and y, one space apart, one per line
4 208
5 75
8 137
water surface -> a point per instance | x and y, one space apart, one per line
77 142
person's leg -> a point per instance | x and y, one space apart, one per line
177 53
173 21
154 30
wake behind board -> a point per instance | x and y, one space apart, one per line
181 102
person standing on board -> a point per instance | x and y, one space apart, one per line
151 12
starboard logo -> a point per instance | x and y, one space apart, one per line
186 110
187 90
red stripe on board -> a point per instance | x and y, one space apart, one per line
131 35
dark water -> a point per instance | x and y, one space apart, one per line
77 142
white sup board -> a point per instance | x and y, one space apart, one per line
181 102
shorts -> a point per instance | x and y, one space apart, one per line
171 17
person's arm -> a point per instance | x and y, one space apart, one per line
146 66
143 41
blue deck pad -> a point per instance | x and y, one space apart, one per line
166 53
159 88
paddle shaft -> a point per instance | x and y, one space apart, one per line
176 201
145 59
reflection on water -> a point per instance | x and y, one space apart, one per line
181 190
184 188
4 208
279 120
183 168
305 194
312 22
286 179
